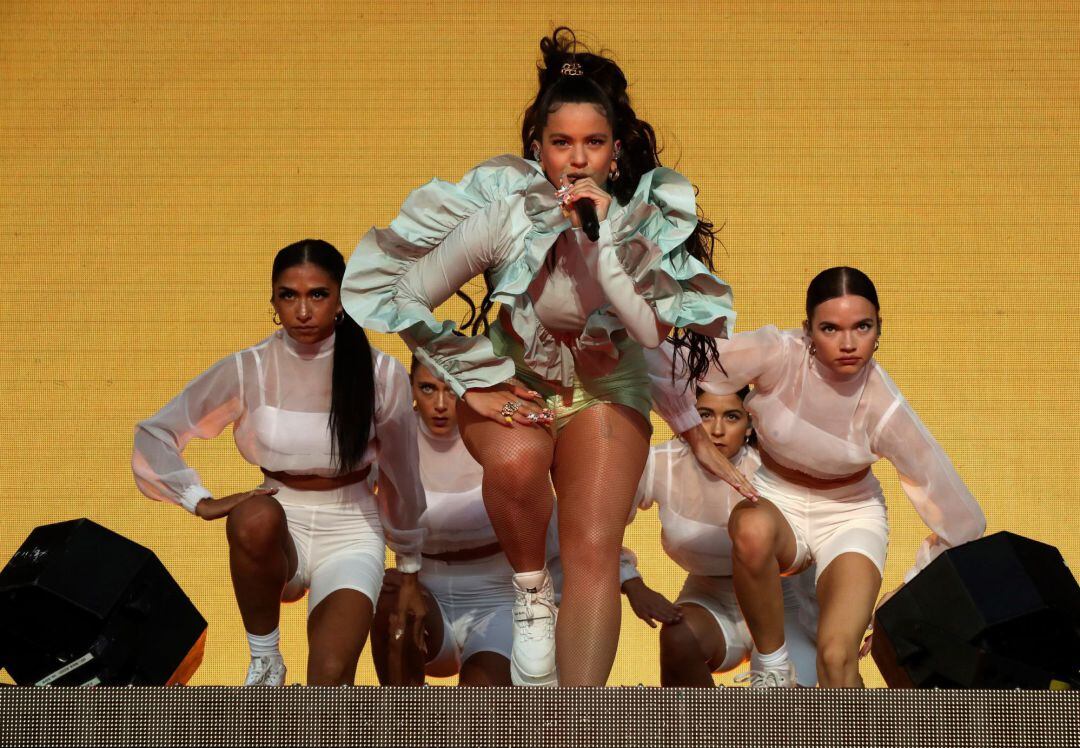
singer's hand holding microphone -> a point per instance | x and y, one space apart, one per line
585 204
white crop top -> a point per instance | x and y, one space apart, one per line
456 518
694 506
276 395
811 420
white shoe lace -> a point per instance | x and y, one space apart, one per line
752 677
763 678
772 679
262 669
532 601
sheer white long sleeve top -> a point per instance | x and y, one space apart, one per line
276 395
694 507
456 518
811 420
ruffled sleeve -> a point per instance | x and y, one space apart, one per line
648 276
445 235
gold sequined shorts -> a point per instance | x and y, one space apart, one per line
627 384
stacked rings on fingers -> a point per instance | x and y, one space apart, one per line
544 416
509 408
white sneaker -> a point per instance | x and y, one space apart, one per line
532 657
266 671
782 677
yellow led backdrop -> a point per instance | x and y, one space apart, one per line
157 154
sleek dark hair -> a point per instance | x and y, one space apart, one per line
603 84
836 282
352 393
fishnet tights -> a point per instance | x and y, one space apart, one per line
517 489
596 464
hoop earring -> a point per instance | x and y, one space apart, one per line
274 317
339 318
812 348
876 344
536 153
614 176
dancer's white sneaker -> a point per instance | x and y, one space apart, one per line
266 671
781 677
532 657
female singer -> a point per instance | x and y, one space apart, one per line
824 412
558 385
313 406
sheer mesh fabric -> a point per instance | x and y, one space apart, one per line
276 394
599 458
517 485
694 506
456 517
809 419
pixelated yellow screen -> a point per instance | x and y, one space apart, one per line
157 154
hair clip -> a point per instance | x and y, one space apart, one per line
572 68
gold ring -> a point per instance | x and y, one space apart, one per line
508 419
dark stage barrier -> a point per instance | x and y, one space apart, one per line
639 717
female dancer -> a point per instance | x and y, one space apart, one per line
313 406
704 631
575 314
465 578
824 412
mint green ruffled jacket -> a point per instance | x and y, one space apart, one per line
501 220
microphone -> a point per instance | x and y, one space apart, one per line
586 210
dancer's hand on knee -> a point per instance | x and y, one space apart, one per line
713 461
407 620
210 509
510 403
648 604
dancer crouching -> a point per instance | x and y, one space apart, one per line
313 406
704 631
824 412
465 578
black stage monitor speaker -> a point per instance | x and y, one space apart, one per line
81 605
999 612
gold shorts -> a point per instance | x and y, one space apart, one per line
627 384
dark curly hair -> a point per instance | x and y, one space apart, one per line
603 84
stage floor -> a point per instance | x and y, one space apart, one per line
640 717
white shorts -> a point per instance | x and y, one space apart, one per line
475 599
717 595
828 523
339 541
